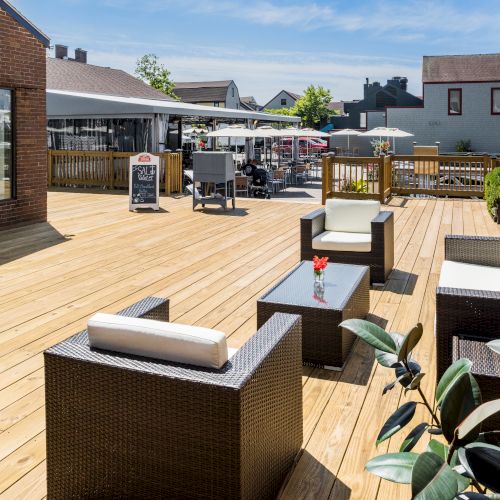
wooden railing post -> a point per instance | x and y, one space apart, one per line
385 180
168 170
325 176
111 169
49 167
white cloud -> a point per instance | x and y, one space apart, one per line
263 74
402 18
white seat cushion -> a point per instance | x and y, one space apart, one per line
350 216
192 345
343 242
469 276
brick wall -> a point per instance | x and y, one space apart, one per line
22 68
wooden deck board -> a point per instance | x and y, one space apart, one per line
95 255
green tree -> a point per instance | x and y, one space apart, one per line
312 107
281 111
155 74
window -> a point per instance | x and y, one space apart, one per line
362 120
232 90
495 101
454 101
6 157
283 102
216 104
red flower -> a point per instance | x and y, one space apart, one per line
319 263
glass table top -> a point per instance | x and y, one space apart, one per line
299 288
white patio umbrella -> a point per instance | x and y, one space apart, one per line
348 132
233 131
387 132
310 132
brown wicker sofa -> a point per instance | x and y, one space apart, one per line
467 318
380 258
120 426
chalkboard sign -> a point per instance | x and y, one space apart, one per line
144 181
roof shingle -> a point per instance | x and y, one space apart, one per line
75 76
461 68
194 92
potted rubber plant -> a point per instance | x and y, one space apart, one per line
458 457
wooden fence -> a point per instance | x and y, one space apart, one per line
107 169
379 178
356 177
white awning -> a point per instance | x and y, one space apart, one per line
65 104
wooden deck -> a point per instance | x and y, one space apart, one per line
95 255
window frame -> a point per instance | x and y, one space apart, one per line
13 132
283 103
459 90
495 113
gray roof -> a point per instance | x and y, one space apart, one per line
292 94
25 23
194 92
461 68
75 76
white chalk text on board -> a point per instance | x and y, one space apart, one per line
144 181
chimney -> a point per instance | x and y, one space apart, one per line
404 83
81 56
61 51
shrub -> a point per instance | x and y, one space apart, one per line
492 189
463 146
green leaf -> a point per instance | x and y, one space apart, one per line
450 376
371 333
410 341
494 345
401 371
395 467
480 414
397 421
415 383
482 462
440 449
412 439
388 359
432 478
459 402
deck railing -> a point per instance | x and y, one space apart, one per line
355 177
107 169
381 177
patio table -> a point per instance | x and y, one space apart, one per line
344 295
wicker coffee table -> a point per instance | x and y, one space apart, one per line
344 295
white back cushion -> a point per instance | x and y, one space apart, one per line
469 276
350 216
192 345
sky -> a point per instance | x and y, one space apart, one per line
269 45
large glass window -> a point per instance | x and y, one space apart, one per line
454 101
495 101
6 165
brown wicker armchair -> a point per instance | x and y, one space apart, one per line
467 318
380 258
120 426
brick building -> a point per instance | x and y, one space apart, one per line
23 125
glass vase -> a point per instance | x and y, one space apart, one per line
319 276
